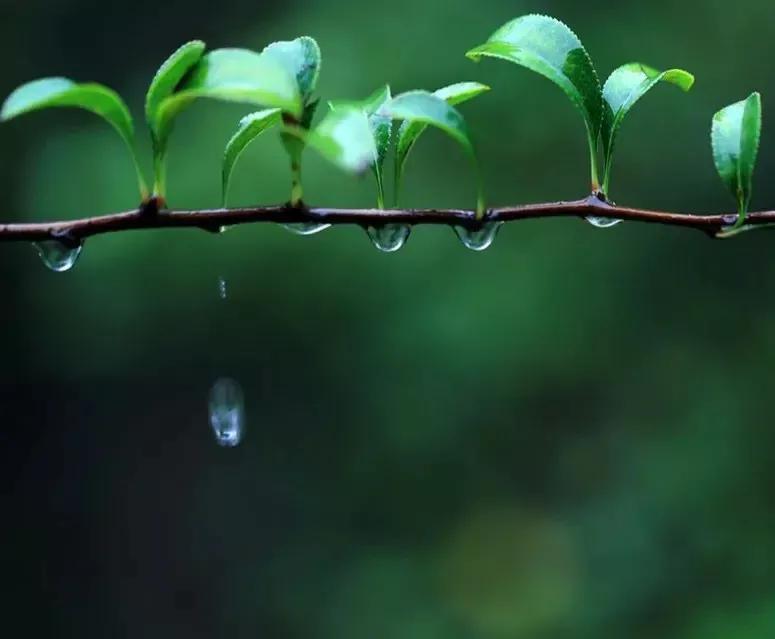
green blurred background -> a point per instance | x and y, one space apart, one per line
568 435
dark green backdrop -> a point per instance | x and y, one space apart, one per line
567 436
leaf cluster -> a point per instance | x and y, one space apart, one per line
357 135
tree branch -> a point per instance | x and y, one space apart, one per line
150 216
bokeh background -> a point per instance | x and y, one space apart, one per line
568 435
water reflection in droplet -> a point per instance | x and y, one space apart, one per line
478 238
306 228
58 256
602 222
389 237
227 412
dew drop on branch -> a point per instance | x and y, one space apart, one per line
729 220
479 238
602 222
306 228
227 412
58 256
389 237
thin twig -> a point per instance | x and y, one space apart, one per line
214 220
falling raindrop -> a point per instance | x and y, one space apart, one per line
602 222
223 288
306 228
479 238
389 237
227 412
58 256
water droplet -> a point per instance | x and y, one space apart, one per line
729 220
223 288
57 255
227 412
479 238
602 222
306 228
389 237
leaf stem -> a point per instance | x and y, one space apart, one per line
297 190
606 178
160 173
380 189
593 163
742 209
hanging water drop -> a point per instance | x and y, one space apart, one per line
602 222
389 237
306 228
227 412
729 219
58 256
479 238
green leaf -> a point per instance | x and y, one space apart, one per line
250 127
411 130
163 85
294 146
301 58
624 87
61 92
231 75
548 47
381 129
430 109
343 137
167 78
240 75
735 134
381 126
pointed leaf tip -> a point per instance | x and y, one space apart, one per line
735 135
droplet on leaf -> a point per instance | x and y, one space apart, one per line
306 228
479 238
602 222
389 237
58 256
227 412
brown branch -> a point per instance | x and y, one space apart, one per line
150 217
